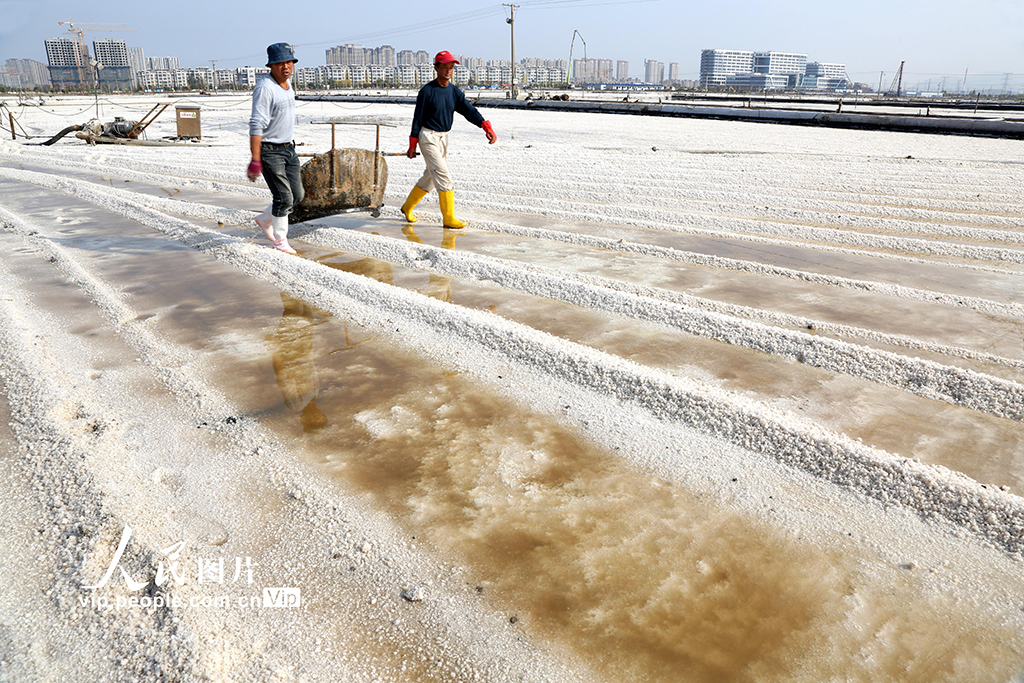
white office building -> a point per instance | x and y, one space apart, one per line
717 65
787 63
823 70
758 81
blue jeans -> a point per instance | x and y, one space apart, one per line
283 173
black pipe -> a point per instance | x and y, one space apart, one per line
61 134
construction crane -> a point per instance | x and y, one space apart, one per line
897 82
572 43
82 58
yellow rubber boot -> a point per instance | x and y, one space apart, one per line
447 200
448 240
411 235
411 201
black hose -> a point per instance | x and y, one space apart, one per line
61 134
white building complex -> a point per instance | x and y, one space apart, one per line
779 63
494 72
770 70
717 65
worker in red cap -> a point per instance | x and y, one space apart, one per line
436 105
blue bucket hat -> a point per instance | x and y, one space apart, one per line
280 52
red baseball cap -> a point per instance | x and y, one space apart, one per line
445 57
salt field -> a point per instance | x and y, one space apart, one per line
688 400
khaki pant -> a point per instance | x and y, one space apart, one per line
434 148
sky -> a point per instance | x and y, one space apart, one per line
940 39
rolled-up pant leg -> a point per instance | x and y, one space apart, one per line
283 172
434 148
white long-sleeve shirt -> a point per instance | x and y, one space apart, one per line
273 112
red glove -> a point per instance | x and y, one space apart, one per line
254 170
412 147
491 137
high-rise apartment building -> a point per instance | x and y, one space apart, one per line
32 73
116 73
66 52
621 71
654 71
137 59
357 55
673 72
163 63
347 55
592 71
383 56
110 52
69 62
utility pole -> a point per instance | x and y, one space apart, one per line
97 66
214 75
511 21
880 77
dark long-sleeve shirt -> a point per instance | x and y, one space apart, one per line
436 107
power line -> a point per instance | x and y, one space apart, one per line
451 20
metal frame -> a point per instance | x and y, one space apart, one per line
374 210
336 122
144 123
